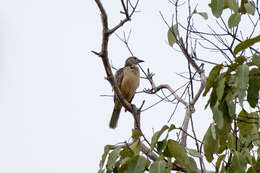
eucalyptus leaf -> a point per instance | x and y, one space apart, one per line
230 103
138 164
238 162
136 134
179 153
242 79
193 166
212 78
127 152
210 144
217 7
231 141
250 8
194 153
254 87
232 4
158 167
220 87
136 147
218 115
202 14
112 158
157 135
234 20
107 148
256 59
247 124
161 145
172 34
220 159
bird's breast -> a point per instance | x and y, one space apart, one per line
130 82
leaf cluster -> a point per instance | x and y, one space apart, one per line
128 159
245 7
232 132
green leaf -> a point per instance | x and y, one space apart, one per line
257 164
107 148
127 152
253 93
194 153
124 166
247 124
242 79
136 133
256 60
245 44
212 78
213 132
251 170
166 152
210 144
172 127
250 8
230 103
169 165
254 87
247 155
178 152
157 135
112 158
136 147
238 162
220 158
231 4
244 141
234 20
101 171
242 8
193 166
138 164
158 167
218 115
217 7
172 34
202 14
231 141
212 99
220 87
242 76
223 168
161 145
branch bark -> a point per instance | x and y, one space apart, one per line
104 56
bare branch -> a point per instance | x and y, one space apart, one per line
104 56
155 88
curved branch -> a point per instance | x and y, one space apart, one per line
168 87
104 56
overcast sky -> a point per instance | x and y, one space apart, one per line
52 117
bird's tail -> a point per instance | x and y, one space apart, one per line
115 117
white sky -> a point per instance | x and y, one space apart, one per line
52 117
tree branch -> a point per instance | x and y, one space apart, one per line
104 56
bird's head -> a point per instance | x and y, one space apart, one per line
132 61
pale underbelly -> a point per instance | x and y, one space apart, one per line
129 86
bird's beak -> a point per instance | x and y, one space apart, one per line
139 61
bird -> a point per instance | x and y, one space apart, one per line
127 79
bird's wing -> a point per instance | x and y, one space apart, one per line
119 77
